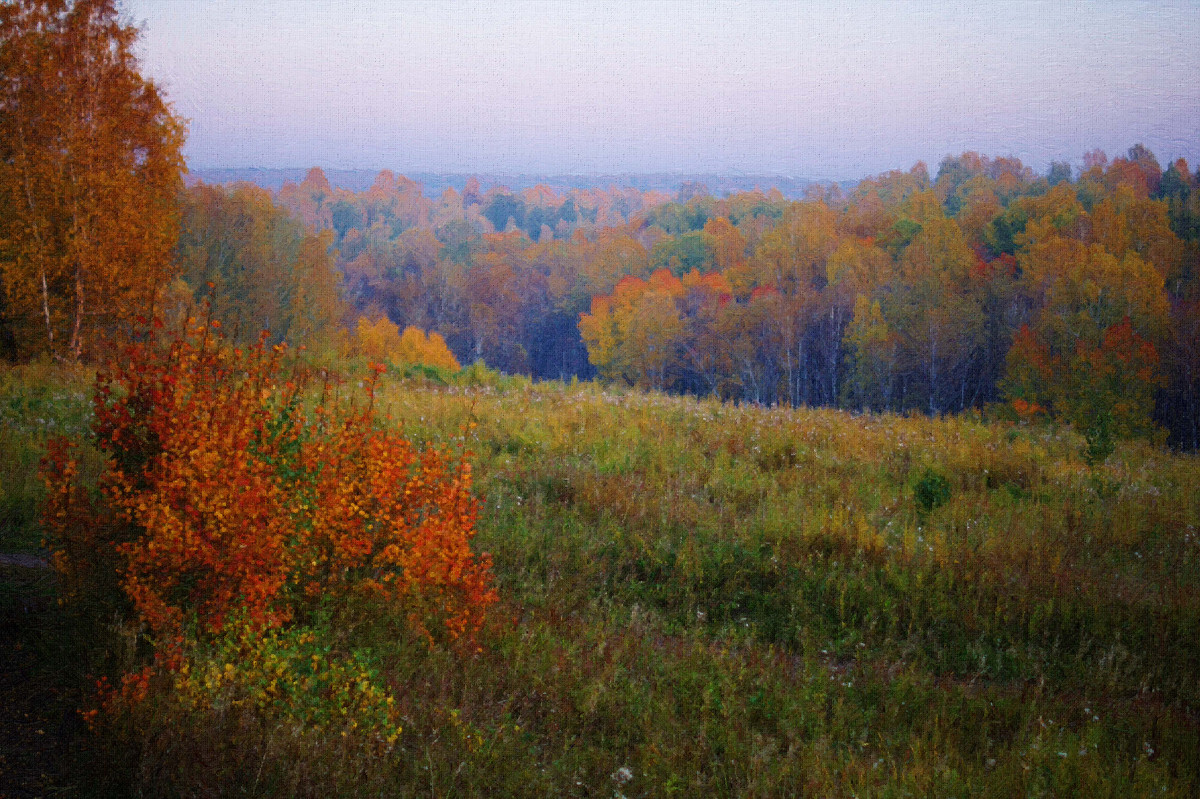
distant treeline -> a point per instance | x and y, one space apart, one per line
1070 296
434 183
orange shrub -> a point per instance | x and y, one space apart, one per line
227 493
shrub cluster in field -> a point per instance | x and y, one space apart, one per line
239 499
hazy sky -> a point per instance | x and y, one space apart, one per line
807 89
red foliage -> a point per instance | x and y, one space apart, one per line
768 290
1128 352
225 496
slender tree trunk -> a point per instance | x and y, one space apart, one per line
791 381
889 384
835 355
76 346
27 184
801 372
46 312
1193 411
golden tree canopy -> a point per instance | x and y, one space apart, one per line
90 167
382 340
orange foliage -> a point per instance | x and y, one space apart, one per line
1111 381
728 243
223 498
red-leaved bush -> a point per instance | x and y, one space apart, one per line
236 487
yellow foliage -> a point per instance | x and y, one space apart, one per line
378 339
429 349
382 340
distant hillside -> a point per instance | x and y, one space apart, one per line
273 179
435 183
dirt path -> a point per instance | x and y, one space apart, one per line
37 729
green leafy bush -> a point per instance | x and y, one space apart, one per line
932 490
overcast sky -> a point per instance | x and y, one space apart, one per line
806 89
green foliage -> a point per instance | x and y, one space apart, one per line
346 217
294 677
679 218
931 491
502 208
1002 232
684 253
420 371
37 400
1060 172
478 374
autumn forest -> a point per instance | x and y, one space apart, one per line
885 488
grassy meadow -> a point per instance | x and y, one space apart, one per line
696 599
